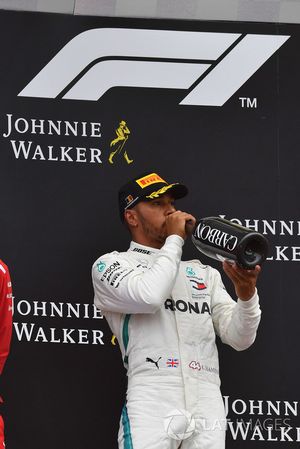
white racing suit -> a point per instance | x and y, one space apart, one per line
165 314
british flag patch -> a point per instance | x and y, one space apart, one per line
172 363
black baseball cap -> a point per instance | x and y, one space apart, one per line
147 187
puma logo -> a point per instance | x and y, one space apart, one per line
153 361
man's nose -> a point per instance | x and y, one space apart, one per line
170 209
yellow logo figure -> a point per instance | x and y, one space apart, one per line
117 145
114 340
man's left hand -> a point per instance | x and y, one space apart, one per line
244 281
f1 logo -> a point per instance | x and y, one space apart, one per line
211 66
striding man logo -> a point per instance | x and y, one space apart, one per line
117 145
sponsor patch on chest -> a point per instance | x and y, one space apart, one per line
195 280
187 307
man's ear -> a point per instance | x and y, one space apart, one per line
130 216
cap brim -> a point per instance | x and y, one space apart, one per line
176 190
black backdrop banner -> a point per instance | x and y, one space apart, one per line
86 104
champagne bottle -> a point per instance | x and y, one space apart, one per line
223 240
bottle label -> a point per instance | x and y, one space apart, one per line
216 237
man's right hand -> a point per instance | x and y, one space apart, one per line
180 223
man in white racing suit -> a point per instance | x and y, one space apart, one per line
165 314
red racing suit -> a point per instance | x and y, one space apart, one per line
6 311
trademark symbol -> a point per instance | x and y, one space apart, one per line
250 103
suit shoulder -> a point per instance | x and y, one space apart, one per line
109 258
3 267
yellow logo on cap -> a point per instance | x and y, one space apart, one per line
159 192
149 179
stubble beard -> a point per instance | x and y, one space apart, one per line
155 235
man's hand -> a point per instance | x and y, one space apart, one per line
244 281
180 223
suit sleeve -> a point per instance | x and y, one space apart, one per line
5 314
236 323
120 287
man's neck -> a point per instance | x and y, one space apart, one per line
147 242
